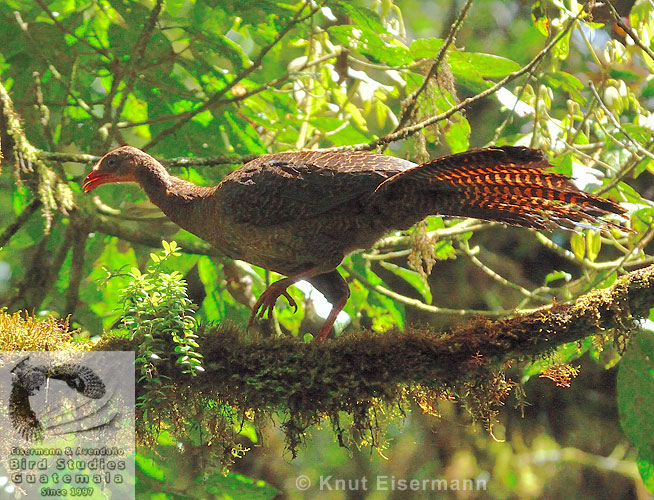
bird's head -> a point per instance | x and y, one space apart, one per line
119 165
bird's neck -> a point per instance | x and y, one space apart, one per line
180 200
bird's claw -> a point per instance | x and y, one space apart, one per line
267 302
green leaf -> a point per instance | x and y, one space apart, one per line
636 394
562 47
390 313
565 81
563 354
174 6
414 278
557 275
343 100
578 245
366 42
424 48
485 65
246 429
457 133
244 137
608 281
643 219
593 244
212 306
149 467
361 16
646 470
381 113
231 50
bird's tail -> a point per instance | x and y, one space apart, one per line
506 184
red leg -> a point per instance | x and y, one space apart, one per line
336 291
329 322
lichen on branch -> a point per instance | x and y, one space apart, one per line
51 188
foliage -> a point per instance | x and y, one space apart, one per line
635 384
204 85
159 316
156 305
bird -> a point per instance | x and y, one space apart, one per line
299 213
28 379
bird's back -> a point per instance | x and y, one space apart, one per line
288 210
276 188
291 211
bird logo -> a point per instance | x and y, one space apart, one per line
28 379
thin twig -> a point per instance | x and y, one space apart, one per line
465 247
43 111
71 33
412 100
13 228
181 161
246 95
418 304
212 101
446 232
412 129
568 255
625 171
55 72
139 234
629 31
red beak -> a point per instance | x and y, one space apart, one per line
95 178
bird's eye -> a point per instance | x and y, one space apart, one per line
111 162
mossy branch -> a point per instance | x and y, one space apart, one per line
286 373
366 379
362 377
48 185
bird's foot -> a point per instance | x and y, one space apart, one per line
268 299
323 333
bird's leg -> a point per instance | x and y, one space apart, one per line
270 295
329 322
336 291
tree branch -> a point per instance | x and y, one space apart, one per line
136 233
12 228
412 129
215 99
413 98
288 373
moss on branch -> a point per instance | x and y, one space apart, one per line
362 372
414 355
357 382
